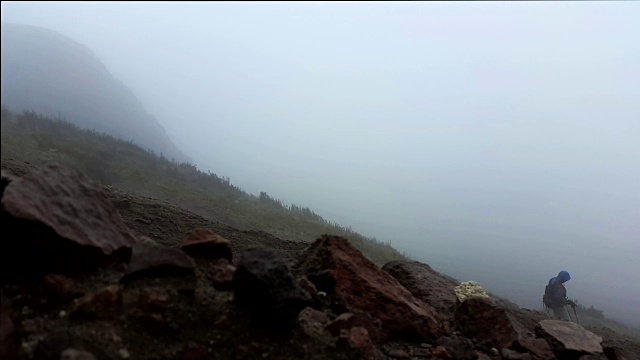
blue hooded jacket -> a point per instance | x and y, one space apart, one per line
558 293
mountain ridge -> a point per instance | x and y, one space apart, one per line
46 71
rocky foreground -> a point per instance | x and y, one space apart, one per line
78 283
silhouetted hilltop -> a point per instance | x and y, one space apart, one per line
48 72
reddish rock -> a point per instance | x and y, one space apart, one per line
340 270
263 284
539 348
568 339
426 284
103 303
153 299
359 339
157 261
207 244
221 277
58 289
441 353
482 319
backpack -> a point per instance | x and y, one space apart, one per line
547 300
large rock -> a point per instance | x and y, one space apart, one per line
569 340
264 285
59 221
426 284
482 319
153 261
205 243
357 284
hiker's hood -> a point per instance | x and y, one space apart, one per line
564 276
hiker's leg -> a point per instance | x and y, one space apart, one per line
560 312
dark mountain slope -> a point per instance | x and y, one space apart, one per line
45 71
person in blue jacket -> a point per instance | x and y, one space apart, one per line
555 295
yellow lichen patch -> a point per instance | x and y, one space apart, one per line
469 289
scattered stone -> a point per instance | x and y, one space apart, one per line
508 354
426 284
52 346
359 339
421 352
124 353
157 261
336 267
221 277
194 352
458 347
307 285
616 353
313 322
143 221
398 354
8 341
103 303
207 244
481 319
142 239
469 289
153 299
62 314
342 322
75 354
594 357
264 285
568 339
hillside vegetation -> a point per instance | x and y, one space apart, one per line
32 137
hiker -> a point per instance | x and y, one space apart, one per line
555 296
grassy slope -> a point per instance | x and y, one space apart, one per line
110 161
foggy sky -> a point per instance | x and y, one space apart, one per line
497 142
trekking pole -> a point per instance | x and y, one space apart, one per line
576 314
568 312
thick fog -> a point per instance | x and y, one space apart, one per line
497 142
